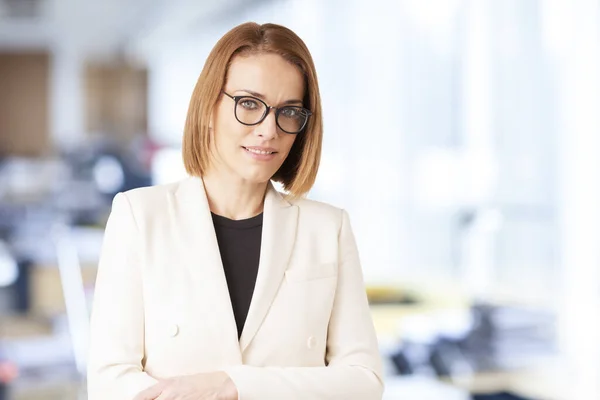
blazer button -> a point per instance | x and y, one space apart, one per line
174 330
311 343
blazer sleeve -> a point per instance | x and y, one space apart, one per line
117 320
353 370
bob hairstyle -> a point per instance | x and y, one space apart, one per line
299 171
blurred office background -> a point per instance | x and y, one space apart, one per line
461 135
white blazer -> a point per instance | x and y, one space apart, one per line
161 306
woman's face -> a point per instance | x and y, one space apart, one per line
255 153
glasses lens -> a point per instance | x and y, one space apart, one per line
249 110
292 119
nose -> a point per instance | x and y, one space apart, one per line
267 129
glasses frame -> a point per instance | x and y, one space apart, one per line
268 109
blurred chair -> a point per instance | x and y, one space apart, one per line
74 294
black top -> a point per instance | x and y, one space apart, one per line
239 244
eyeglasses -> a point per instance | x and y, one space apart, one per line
252 111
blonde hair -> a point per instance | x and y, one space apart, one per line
299 171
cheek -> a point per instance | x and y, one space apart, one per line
222 123
228 133
224 119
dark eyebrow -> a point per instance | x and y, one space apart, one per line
262 97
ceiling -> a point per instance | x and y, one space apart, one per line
102 28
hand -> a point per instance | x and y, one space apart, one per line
207 386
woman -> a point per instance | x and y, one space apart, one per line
218 286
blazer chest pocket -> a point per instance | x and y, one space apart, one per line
311 272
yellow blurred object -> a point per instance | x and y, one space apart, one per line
392 305
390 295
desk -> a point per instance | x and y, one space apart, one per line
549 382
421 388
546 382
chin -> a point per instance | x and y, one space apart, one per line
255 176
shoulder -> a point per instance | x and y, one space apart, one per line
146 201
320 213
316 207
150 196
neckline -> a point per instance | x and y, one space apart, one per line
251 222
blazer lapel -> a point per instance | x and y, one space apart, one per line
280 220
200 251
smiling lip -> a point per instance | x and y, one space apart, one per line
260 153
